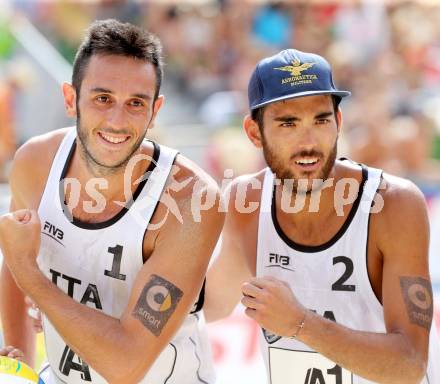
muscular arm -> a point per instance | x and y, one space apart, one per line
16 324
399 355
28 176
178 264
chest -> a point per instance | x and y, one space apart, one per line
96 267
345 269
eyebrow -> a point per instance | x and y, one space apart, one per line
287 118
290 118
105 90
323 115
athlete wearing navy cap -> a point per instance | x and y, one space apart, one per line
330 257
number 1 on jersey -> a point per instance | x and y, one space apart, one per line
116 266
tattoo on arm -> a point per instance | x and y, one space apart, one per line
157 303
417 294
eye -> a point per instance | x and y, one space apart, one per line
287 124
137 103
323 121
102 99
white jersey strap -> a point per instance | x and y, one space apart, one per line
57 167
162 169
372 184
267 192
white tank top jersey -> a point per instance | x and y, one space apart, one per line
96 265
331 279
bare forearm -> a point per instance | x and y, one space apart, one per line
16 325
223 284
97 338
382 358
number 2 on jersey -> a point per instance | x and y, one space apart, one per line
339 285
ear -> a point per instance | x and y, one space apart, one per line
69 99
156 107
252 131
339 120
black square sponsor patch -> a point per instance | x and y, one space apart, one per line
157 303
417 294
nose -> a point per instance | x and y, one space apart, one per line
116 118
307 140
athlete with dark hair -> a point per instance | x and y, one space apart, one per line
101 234
330 257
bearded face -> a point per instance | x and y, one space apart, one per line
283 172
299 140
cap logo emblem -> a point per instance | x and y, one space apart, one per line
295 71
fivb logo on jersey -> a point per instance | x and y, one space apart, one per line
53 232
279 261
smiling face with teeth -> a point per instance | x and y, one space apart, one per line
114 110
298 137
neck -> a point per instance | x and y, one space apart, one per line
311 206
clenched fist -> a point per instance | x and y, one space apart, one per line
272 304
20 236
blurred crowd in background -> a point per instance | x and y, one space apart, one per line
386 53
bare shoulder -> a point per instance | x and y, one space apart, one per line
244 194
188 212
403 217
31 166
191 197
402 199
242 198
188 181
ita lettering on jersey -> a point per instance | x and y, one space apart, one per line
97 266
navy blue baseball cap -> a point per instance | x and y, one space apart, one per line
289 74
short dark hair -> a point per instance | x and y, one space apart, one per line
258 113
111 37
